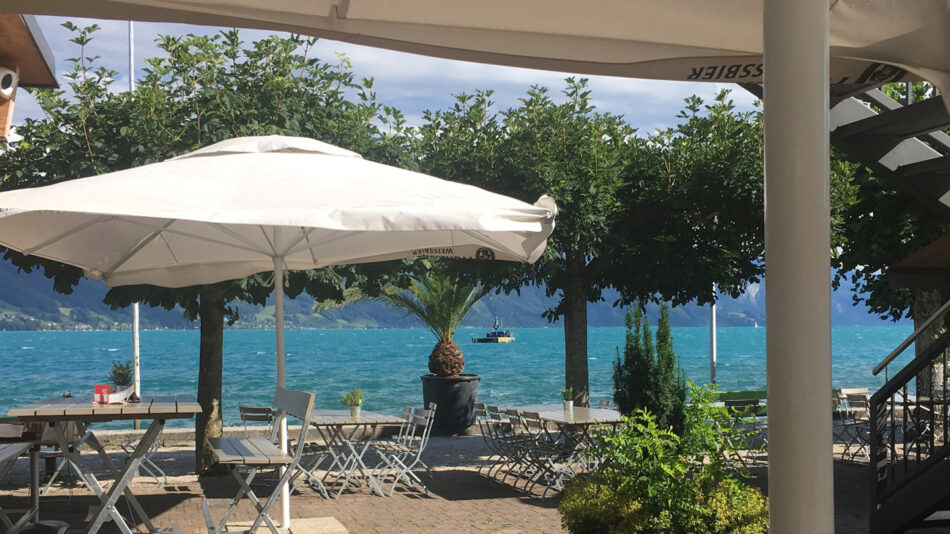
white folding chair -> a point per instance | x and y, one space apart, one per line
254 454
857 425
148 465
401 458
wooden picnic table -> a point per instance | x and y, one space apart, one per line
83 411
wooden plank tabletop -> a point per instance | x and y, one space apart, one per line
343 417
84 409
577 416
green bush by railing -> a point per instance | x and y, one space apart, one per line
651 480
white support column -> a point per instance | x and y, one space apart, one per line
801 483
281 379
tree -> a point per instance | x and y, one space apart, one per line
441 301
202 90
649 377
661 217
877 227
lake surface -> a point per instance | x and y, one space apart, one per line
387 363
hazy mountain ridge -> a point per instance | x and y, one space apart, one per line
28 302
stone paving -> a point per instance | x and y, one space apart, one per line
459 499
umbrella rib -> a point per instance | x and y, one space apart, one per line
304 236
81 227
172 231
142 244
252 246
312 245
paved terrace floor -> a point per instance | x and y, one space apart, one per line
459 500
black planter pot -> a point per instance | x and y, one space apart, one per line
455 400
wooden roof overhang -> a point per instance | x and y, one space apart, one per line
23 47
928 268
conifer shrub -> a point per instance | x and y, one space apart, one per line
651 480
648 375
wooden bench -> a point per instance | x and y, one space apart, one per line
254 454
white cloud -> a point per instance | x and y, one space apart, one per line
409 82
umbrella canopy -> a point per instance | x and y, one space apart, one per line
229 210
674 39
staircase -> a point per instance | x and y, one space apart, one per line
910 417
910 472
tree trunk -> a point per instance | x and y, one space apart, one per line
208 423
575 339
926 302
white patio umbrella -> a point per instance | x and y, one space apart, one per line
255 204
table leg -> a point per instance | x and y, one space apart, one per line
35 480
124 477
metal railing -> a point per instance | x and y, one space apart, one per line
907 342
909 418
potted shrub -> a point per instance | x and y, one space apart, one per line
121 378
354 399
568 396
441 301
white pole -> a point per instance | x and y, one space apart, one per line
135 347
131 58
797 220
135 306
281 379
712 338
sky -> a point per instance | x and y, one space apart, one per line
411 83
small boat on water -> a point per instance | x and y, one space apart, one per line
495 336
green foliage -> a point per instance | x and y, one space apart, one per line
652 481
874 226
692 192
649 377
201 90
439 299
567 393
121 374
353 397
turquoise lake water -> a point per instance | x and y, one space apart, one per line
387 363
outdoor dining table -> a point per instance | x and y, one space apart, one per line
575 423
347 439
58 412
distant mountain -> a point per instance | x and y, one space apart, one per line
28 302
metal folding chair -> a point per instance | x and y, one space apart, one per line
402 457
259 414
252 455
857 425
148 465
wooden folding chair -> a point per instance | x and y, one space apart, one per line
254 454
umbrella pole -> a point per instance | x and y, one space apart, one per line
281 379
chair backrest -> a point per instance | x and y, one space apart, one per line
298 404
859 404
604 403
259 414
424 420
742 407
853 391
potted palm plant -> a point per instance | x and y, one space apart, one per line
441 301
